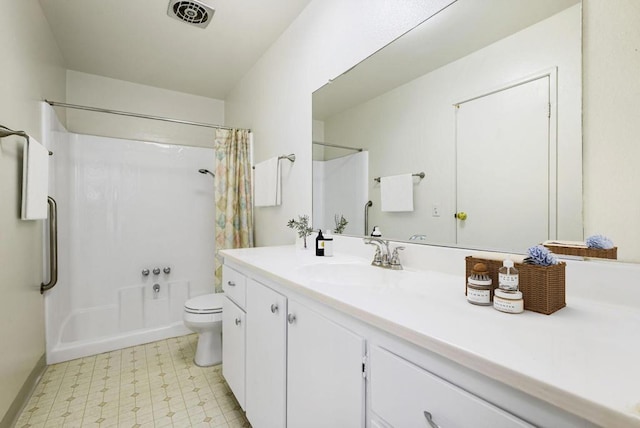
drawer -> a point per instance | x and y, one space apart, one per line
402 392
234 285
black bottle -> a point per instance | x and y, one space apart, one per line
320 244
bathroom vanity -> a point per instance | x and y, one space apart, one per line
317 341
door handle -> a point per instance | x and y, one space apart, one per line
461 215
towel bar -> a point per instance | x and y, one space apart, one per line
291 157
418 174
53 246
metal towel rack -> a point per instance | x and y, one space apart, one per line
53 246
418 174
291 157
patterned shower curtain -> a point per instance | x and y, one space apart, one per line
234 208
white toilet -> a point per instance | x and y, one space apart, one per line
203 315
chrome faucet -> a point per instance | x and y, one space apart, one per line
383 257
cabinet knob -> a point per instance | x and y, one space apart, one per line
238 321
156 271
274 308
231 283
145 272
167 270
429 418
291 318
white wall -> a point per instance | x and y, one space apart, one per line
31 69
412 128
274 98
611 94
97 91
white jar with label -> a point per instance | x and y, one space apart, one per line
479 286
510 302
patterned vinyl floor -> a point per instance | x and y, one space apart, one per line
152 385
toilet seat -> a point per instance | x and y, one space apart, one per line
206 304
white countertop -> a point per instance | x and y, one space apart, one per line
584 358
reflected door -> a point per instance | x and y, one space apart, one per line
502 170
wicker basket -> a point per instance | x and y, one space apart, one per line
584 252
543 287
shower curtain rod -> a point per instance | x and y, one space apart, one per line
337 146
141 116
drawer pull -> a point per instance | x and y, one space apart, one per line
291 318
231 283
274 308
430 420
238 321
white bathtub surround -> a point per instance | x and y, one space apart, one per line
340 187
125 206
581 359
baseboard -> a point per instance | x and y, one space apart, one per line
10 418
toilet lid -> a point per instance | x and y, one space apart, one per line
208 303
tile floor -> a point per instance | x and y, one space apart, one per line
152 385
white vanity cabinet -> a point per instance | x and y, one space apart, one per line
405 395
325 383
233 348
266 356
233 332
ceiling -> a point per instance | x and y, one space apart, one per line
136 41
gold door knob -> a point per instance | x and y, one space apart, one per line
461 215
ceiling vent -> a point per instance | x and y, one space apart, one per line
192 12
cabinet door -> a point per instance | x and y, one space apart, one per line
266 356
325 384
233 348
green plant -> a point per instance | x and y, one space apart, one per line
301 226
341 223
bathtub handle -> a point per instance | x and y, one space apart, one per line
53 246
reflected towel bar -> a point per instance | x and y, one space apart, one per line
419 174
291 157
366 217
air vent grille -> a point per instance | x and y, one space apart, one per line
191 11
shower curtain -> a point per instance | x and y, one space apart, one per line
234 208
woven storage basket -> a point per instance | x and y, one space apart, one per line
584 252
543 287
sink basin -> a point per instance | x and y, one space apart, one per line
354 274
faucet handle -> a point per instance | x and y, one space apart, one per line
377 257
395 259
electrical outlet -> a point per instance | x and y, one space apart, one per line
435 211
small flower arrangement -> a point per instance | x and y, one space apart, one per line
599 242
341 223
541 256
301 226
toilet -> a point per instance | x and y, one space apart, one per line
203 315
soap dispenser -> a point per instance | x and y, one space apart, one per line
320 243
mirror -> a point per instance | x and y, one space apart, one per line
484 98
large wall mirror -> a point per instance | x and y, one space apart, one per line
484 98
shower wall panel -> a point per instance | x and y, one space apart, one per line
125 206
